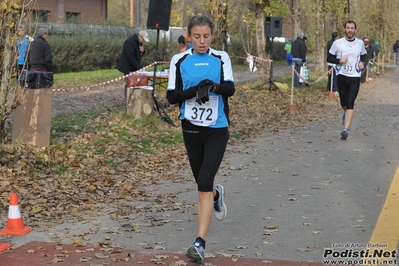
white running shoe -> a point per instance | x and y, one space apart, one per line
196 253
219 205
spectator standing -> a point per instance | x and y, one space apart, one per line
369 57
200 81
349 55
182 43
288 55
396 51
305 39
133 50
40 56
334 36
298 51
21 49
376 49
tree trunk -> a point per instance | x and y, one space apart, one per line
5 76
218 10
139 102
296 18
11 16
320 53
263 67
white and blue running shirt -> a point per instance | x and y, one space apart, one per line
353 49
187 69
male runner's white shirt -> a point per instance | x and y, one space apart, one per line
353 49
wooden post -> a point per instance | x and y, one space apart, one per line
131 13
291 106
32 118
383 64
330 92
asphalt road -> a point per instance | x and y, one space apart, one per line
290 194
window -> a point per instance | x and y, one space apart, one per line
42 15
72 17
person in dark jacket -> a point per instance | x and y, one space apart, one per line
369 57
133 50
298 51
334 36
40 56
396 51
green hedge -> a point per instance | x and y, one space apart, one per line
85 53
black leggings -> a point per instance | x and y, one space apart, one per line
348 88
205 148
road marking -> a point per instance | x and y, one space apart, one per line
386 230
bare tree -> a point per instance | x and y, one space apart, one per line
218 13
263 67
13 13
320 43
296 17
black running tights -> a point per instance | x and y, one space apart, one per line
348 88
205 148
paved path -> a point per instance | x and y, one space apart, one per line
290 195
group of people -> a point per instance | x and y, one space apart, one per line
201 82
347 60
296 54
32 54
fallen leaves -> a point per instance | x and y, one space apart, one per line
81 175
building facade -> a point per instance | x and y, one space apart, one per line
62 11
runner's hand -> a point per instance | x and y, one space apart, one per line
192 91
203 92
204 82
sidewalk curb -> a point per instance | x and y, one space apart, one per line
42 253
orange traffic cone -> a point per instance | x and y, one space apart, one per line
15 225
4 246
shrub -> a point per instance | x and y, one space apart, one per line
77 53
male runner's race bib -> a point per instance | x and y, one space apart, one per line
350 67
202 115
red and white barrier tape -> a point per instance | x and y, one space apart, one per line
259 58
88 88
316 81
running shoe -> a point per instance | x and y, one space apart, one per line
344 134
219 205
196 253
343 119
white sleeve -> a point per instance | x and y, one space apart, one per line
172 74
227 69
333 50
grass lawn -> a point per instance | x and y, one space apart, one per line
85 78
